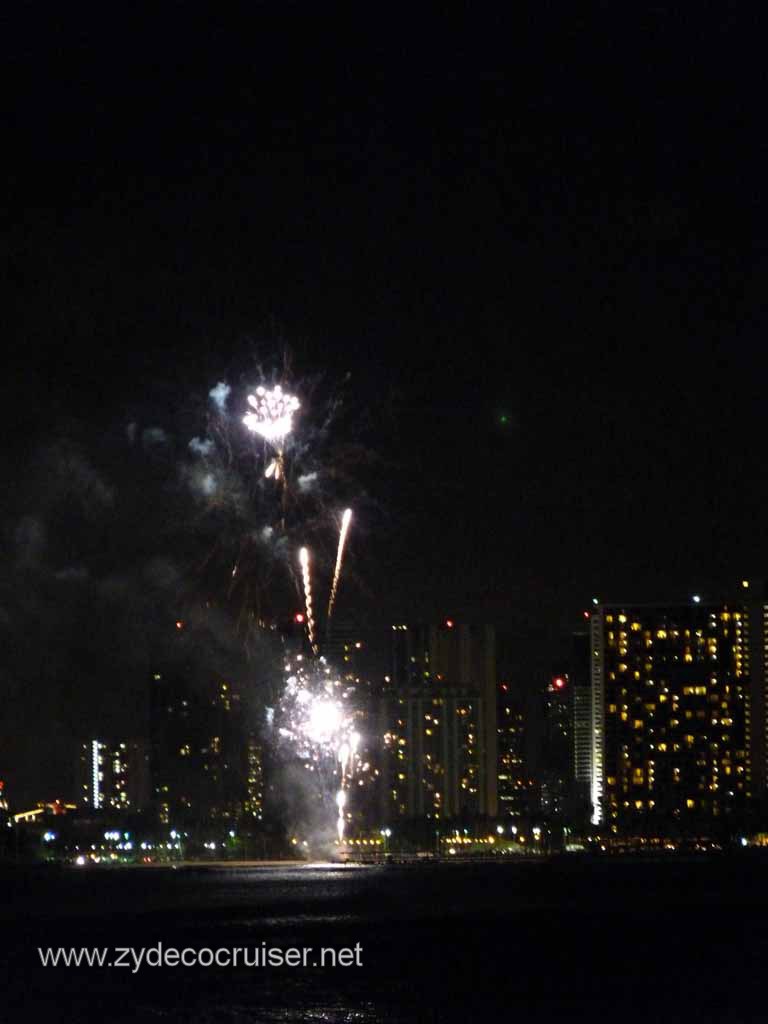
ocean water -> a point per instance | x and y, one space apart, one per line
557 940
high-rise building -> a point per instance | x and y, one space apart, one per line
512 784
557 770
671 716
254 801
754 595
200 759
581 697
438 723
113 775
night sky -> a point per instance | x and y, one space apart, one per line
538 246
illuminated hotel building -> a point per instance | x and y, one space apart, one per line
438 723
670 716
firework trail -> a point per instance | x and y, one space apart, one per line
346 519
251 525
307 580
247 526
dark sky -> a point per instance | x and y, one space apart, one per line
539 246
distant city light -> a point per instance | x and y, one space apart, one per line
95 775
745 584
595 601
697 599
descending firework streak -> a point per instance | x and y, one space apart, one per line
346 519
307 581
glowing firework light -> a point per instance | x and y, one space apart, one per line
318 723
346 519
272 418
307 580
256 528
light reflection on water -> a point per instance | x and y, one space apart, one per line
441 944
332 1014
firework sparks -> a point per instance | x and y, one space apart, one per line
313 714
341 801
272 419
320 727
307 580
346 519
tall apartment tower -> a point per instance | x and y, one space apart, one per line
580 676
203 766
755 597
512 783
438 723
557 769
113 775
670 715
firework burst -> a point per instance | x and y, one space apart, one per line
250 530
317 721
272 419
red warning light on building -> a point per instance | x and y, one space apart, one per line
558 682
298 617
449 623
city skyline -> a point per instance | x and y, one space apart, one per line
383 601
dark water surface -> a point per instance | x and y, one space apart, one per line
536 941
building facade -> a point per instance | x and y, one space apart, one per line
670 716
437 720
113 775
557 774
512 783
204 767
